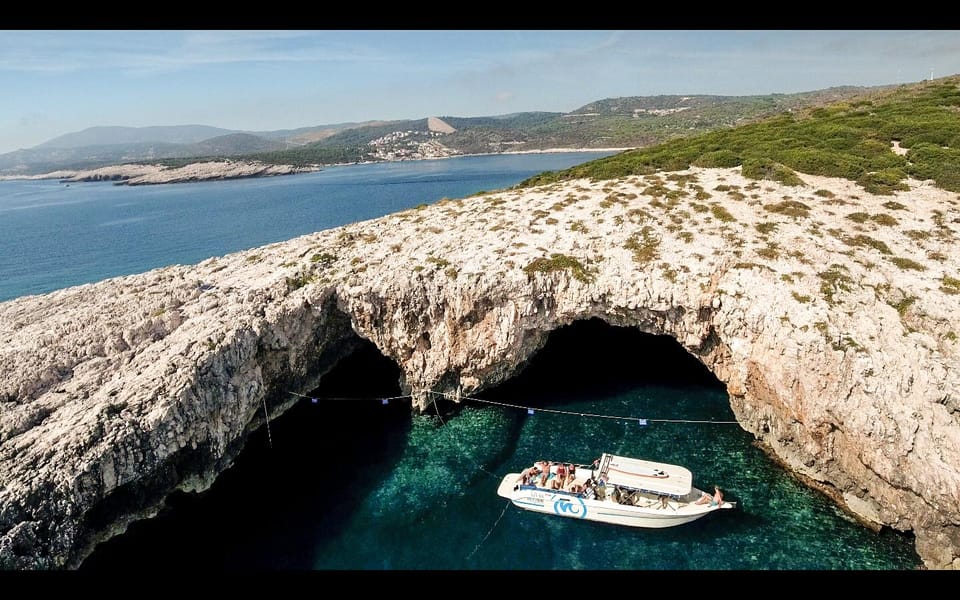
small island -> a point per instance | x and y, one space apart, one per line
153 174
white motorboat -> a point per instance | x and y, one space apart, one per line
614 489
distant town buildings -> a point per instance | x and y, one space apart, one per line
409 145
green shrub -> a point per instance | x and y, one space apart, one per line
724 159
833 280
859 217
324 259
907 264
560 262
883 182
643 245
791 208
440 262
951 285
902 306
721 214
819 161
884 219
866 240
764 168
770 252
766 228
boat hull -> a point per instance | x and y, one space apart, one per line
651 512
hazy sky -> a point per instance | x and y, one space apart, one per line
56 82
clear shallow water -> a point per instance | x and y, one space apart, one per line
55 236
360 485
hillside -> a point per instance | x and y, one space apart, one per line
613 122
628 122
44 160
877 141
107 146
103 136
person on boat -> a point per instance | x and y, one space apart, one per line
545 475
588 492
715 500
571 473
527 475
561 475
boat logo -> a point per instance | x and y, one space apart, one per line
567 508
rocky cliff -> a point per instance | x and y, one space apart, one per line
829 313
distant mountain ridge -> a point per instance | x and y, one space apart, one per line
110 135
633 121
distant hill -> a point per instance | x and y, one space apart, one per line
629 122
102 146
635 121
307 135
235 143
103 136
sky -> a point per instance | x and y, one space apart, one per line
57 82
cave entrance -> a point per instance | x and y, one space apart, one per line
595 388
323 457
602 359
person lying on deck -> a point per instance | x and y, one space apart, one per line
527 475
715 500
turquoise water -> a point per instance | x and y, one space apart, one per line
359 485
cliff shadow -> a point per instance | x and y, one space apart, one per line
602 359
318 458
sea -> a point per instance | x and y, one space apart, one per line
351 478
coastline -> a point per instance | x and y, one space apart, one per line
154 174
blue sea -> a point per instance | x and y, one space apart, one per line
56 235
359 484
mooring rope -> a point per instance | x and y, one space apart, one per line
505 507
266 414
530 410
353 398
582 414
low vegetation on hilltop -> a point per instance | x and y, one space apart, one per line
853 140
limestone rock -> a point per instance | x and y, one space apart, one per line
836 338
136 174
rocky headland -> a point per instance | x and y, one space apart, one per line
830 314
150 174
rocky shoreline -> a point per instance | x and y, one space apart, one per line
155 174
828 312
148 174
